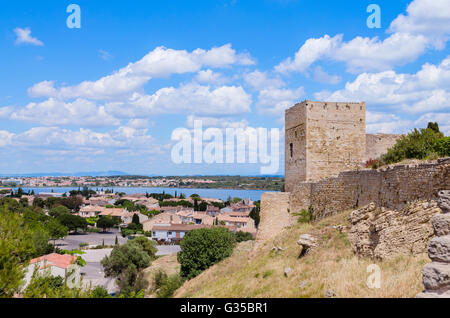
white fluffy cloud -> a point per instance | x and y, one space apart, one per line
425 91
161 62
215 122
310 52
275 101
378 122
427 25
210 77
55 138
6 111
190 98
55 112
260 80
359 54
5 138
24 37
428 17
323 77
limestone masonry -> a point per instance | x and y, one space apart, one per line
436 275
324 139
381 233
326 149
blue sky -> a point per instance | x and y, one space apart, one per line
109 95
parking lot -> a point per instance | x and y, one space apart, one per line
93 271
72 242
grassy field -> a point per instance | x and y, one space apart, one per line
332 265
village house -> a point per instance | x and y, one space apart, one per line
244 224
55 264
189 217
90 211
149 203
212 210
163 218
173 232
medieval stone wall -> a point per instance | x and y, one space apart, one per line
275 215
391 187
295 146
323 139
378 144
335 138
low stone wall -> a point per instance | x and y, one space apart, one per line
274 215
391 187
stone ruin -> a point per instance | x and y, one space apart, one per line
436 275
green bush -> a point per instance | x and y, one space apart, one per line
166 285
100 292
442 147
126 263
147 245
304 216
80 261
203 248
243 236
419 144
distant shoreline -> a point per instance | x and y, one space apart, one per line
130 187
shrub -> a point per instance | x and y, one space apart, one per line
304 216
126 263
371 163
100 292
267 273
169 286
255 215
442 147
147 245
419 144
243 236
80 261
203 248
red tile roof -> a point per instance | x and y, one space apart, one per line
54 259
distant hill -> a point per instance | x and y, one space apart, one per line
75 174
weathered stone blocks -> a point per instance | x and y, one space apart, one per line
436 275
381 233
439 249
441 224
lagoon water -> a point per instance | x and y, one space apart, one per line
222 194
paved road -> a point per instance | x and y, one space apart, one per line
72 242
167 249
93 271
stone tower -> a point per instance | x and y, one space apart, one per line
323 139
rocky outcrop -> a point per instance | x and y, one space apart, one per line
307 243
380 233
436 275
444 201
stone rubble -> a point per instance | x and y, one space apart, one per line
436 275
381 233
307 242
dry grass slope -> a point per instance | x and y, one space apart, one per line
169 264
331 266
